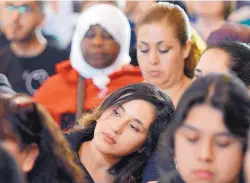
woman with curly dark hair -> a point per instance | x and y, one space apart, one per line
122 133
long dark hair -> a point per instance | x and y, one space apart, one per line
130 168
239 58
223 92
29 123
9 171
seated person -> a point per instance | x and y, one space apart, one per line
28 60
115 141
207 128
98 65
30 135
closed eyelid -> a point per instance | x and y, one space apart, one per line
143 45
143 48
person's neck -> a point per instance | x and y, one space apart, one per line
206 25
96 163
176 90
30 48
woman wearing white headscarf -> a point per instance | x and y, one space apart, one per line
98 65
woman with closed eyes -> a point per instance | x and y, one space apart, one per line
208 133
168 48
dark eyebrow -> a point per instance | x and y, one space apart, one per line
190 127
137 120
9 4
120 106
156 43
144 42
26 5
159 42
225 134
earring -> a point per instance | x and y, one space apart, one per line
175 163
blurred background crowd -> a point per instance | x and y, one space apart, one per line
125 91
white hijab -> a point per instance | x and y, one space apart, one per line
116 24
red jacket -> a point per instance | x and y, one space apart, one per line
59 93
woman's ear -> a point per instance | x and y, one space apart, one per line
30 157
187 49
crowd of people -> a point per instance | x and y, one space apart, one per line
146 92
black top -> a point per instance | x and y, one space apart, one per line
52 40
150 172
27 74
76 139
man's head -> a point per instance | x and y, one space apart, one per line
21 18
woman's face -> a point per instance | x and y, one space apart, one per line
205 150
160 54
123 130
212 60
99 48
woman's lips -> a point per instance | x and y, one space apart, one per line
155 73
203 174
108 138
